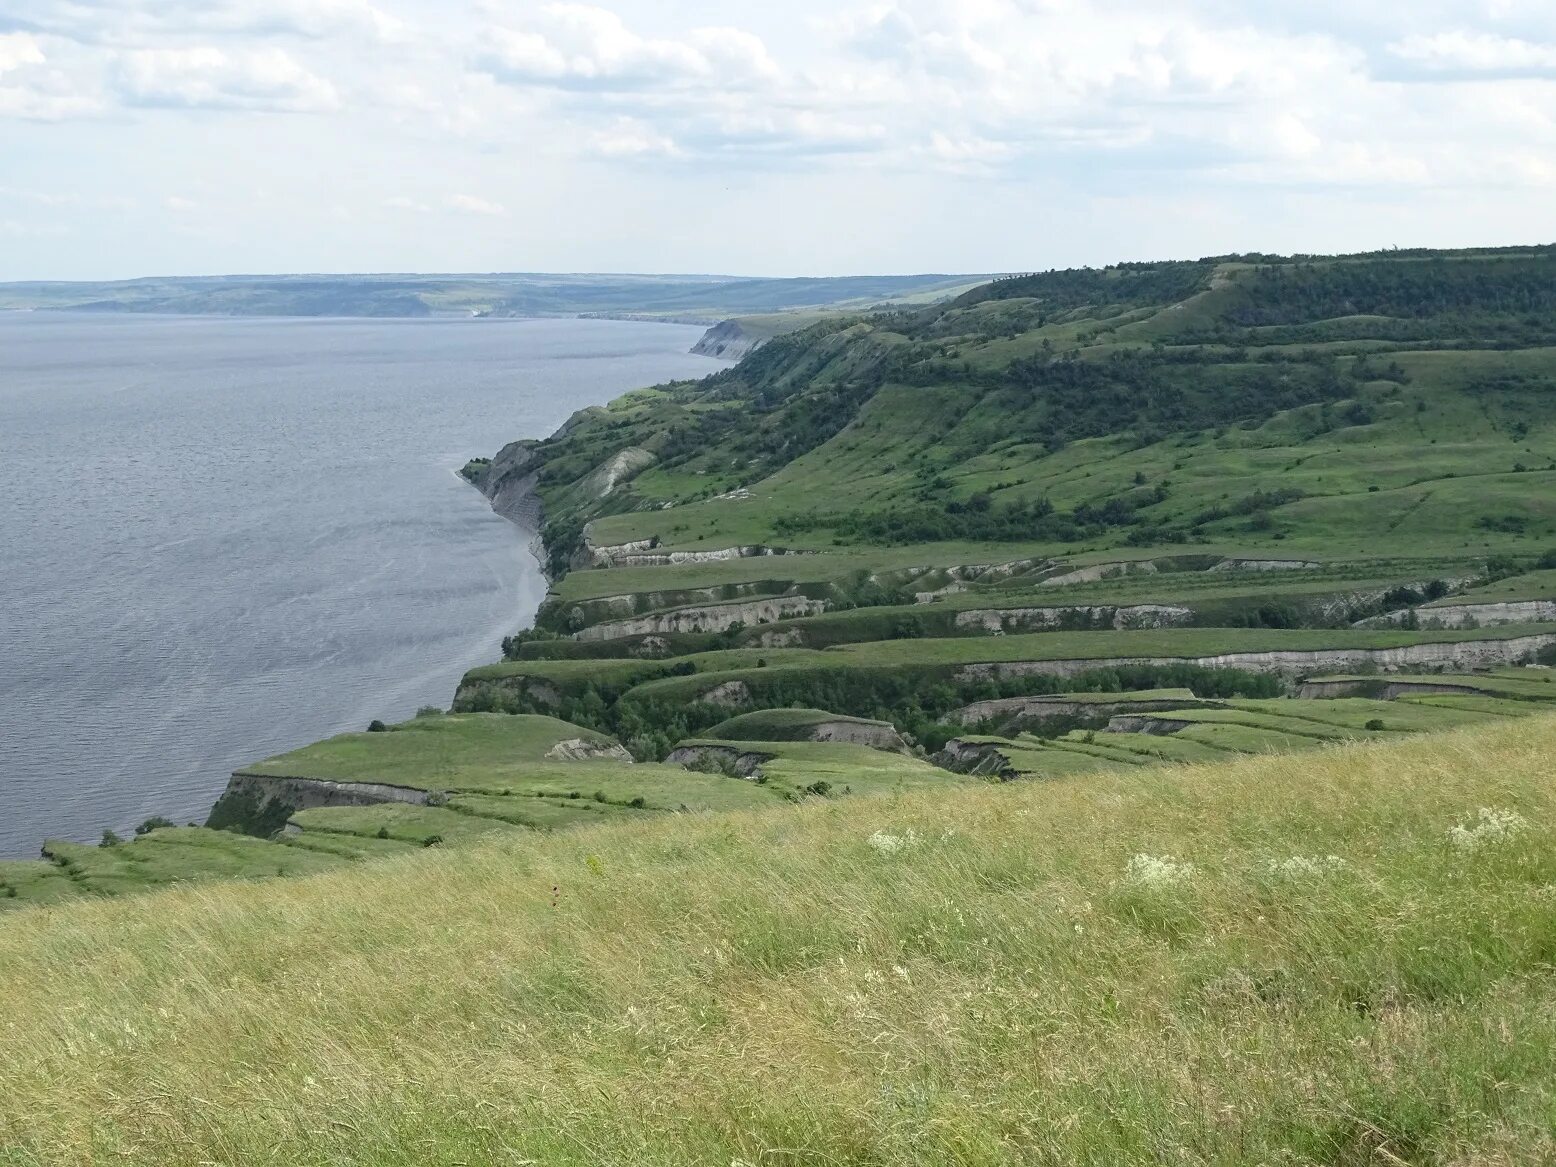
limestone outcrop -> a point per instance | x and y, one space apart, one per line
1040 709
578 749
1467 615
1447 655
1074 617
706 618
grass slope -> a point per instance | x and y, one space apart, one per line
453 752
995 978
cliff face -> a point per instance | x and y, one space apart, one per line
728 341
707 618
1466 655
1468 615
509 482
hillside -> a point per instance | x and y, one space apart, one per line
1305 407
1336 957
1247 463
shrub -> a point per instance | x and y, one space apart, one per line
153 823
376 726
110 839
1375 724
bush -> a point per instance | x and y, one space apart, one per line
110 839
376 726
153 823
1375 724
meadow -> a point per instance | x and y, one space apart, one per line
1332 957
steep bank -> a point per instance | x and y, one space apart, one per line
728 340
739 337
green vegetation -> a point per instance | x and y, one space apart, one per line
791 725
1312 958
458 751
1019 414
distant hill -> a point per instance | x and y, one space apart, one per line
691 298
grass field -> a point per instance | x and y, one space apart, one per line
1332 957
803 725
448 752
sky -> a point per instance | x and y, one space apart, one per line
807 137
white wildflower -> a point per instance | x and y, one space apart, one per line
1158 871
888 844
901 973
1302 866
1491 825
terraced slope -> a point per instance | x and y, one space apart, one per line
1106 517
451 780
1223 475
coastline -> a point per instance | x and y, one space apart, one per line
249 799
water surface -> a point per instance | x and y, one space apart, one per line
224 538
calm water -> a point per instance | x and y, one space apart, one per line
221 539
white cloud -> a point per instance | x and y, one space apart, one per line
180 205
471 205
1477 54
584 47
1184 116
629 138
18 49
216 78
32 89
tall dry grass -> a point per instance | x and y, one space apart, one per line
1142 967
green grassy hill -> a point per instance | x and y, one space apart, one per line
1317 407
1340 956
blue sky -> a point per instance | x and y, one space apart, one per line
808 137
